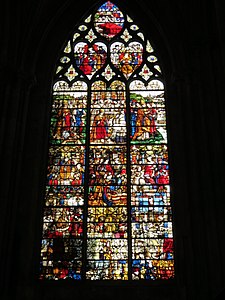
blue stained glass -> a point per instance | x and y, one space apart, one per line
107 212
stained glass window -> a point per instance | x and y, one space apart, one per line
107 213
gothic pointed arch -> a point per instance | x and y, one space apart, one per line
107 213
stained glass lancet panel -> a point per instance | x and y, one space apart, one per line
63 222
151 218
107 213
107 244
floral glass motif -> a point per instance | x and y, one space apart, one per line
107 213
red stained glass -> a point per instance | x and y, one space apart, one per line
107 213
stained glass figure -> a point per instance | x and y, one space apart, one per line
126 59
107 213
108 20
90 59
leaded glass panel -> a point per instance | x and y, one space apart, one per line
107 213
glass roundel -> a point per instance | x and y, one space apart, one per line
107 212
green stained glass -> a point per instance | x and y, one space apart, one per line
107 212
108 20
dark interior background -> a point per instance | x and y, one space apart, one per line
189 37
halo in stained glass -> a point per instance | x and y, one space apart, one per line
107 213
126 58
108 20
90 58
